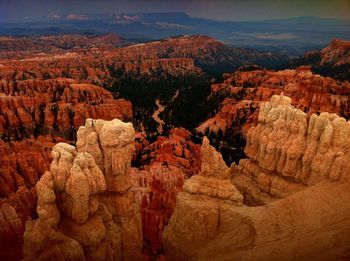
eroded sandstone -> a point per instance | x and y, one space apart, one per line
288 150
296 171
84 205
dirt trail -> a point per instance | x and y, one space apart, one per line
160 109
155 116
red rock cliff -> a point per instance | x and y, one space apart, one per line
241 94
34 115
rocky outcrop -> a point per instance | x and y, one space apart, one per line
213 179
240 95
287 150
84 204
337 53
283 230
176 150
112 145
199 207
163 166
34 115
333 60
156 209
302 163
56 107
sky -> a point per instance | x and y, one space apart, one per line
234 10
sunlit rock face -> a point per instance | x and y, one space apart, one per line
84 205
199 208
241 93
213 179
296 171
35 115
288 150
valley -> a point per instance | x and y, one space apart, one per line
137 120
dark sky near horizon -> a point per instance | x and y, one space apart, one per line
18 10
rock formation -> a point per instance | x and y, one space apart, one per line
197 216
85 206
176 150
164 166
213 179
288 150
333 60
56 107
34 115
156 210
337 53
302 163
90 58
241 93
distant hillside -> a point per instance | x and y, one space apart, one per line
292 36
333 60
211 55
16 47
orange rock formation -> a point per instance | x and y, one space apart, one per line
301 164
34 115
242 93
85 205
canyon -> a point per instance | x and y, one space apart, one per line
129 207
36 114
75 179
241 93
333 60
290 192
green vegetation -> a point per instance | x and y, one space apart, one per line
187 109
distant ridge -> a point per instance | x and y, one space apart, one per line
292 36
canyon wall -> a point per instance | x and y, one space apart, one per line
58 106
241 93
165 165
288 150
332 61
34 115
296 172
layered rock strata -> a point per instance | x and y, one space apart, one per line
288 150
241 93
156 210
199 208
34 115
332 61
56 107
165 165
84 205
298 161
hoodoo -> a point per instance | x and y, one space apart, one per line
85 208
295 170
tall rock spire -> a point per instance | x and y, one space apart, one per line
85 209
